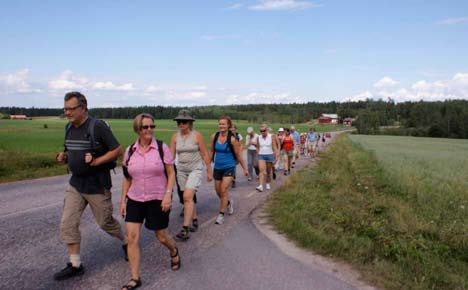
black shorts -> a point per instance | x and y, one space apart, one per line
218 174
148 211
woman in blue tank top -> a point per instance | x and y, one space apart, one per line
225 154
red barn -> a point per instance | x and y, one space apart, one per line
328 119
348 121
18 117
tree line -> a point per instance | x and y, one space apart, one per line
434 119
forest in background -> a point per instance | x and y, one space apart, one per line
431 119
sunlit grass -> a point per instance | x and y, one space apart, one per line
358 206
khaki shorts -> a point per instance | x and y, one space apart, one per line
190 179
73 207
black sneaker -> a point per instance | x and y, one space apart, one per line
124 248
68 272
183 235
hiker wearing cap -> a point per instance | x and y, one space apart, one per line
190 149
251 143
267 152
148 169
225 153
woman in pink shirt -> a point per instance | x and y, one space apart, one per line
147 194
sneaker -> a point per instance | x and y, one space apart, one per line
259 188
194 226
249 179
268 186
219 219
68 272
230 207
125 250
183 235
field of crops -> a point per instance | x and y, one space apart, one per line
28 147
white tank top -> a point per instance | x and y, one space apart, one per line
265 145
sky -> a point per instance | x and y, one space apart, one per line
215 52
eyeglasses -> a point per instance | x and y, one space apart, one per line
71 108
182 122
262 131
148 126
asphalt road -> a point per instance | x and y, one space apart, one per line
236 255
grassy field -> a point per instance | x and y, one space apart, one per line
394 207
28 148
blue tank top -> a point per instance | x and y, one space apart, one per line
224 157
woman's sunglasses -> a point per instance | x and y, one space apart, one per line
182 122
146 127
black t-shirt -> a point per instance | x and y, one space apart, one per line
85 178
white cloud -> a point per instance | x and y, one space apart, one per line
359 97
453 21
439 90
109 86
266 5
16 83
385 82
67 81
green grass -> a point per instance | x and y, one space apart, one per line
397 212
28 147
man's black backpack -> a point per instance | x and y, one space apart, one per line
131 150
91 133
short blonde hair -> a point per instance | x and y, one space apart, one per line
137 122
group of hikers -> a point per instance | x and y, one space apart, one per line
153 169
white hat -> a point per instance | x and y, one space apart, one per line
280 130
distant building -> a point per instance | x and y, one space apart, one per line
348 121
328 119
18 117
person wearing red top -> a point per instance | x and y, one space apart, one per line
147 194
288 144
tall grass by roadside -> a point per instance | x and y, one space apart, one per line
28 148
355 205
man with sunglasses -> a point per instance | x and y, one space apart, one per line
90 180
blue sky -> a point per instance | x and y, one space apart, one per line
185 53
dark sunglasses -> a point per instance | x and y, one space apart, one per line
182 122
71 108
148 126
262 131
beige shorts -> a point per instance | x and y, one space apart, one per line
311 146
190 179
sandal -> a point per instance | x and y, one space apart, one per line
194 226
175 265
131 287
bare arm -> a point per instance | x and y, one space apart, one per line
167 199
126 183
205 156
107 157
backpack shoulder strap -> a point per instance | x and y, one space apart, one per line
91 132
161 154
229 136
